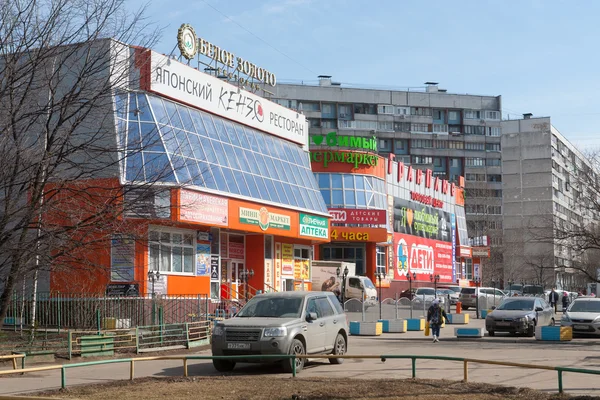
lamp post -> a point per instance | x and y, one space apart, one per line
342 276
246 274
477 283
510 283
153 276
494 286
380 276
435 279
410 277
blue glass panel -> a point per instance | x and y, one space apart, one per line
337 197
262 166
181 170
223 136
270 141
370 200
251 134
220 153
198 122
196 146
184 113
280 150
297 197
144 108
159 110
232 134
273 171
210 126
324 181
282 191
184 145
326 196
254 192
230 179
173 114
260 142
306 203
121 105
348 181
262 188
288 152
298 155
350 197
209 152
241 182
169 139
293 173
360 182
336 181
272 191
228 150
195 172
252 164
361 199
133 136
219 178
244 141
150 137
158 167
135 165
133 110
241 158
207 175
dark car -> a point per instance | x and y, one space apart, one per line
408 294
519 315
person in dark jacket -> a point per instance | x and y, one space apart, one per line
434 317
565 301
553 299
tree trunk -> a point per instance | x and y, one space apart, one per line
7 293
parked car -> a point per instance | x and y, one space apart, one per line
519 315
408 294
282 323
583 315
515 288
451 294
488 297
454 288
533 290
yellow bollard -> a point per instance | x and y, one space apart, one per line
465 370
131 370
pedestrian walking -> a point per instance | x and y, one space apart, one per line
434 317
553 298
565 301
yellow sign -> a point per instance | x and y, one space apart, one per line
287 259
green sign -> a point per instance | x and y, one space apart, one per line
358 159
311 225
332 139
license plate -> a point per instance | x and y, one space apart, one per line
502 323
238 346
583 327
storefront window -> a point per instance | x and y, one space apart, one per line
380 260
352 190
171 251
353 254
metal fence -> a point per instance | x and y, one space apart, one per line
402 308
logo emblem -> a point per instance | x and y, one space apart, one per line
259 113
263 218
186 41
402 253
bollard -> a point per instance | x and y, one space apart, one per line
458 307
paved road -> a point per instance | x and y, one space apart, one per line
582 353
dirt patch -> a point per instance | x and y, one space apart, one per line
259 388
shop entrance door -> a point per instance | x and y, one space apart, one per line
230 285
287 285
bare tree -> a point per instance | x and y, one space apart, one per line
60 64
541 269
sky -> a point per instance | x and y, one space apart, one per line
540 55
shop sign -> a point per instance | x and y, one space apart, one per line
203 259
427 200
332 139
481 251
423 257
123 289
190 86
122 257
423 221
313 226
453 234
203 236
160 285
190 45
214 267
202 208
264 219
357 216
357 159
476 270
351 234
287 259
146 202
465 252
236 250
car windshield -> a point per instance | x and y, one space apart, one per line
520 304
515 287
426 291
468 291
272 307
368 284
585 306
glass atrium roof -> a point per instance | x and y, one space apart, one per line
171 143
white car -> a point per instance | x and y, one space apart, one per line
583 315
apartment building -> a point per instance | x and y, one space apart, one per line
544 183
453 135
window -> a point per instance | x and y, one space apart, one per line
440 144
454 129
474 130
328 123
475 146
385 126
287 103
494 131
401 110
380 260
328 109
474 162
422 111
385 145
472 114
437 162
494 178
345 111
493 162
492 147
419 128
492 115
456 145
171 251
421 143
440 128
455 163
400 145
422 160
314 122
496 241
383 109
453 116
324 309
310 106
402 126
438 114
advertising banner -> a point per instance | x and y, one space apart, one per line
200 207
122 258
426 222
313 226
202 259
287 259
453 225
357 216
423 257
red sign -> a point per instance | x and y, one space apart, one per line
357 216
424 199
236 250
200 207
423 257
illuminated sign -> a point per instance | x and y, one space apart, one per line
350 234
332 139
313 226
428 200
264 219
358 159
421 221
357 216
190 45
423 257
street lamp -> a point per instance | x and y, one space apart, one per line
510 283
342 276
494 286
245 275
410 277
435 279
477 283
380 276
153 276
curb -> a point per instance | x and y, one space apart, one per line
487 339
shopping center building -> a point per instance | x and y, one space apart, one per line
235 195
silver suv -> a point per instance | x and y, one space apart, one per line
282 323
488 297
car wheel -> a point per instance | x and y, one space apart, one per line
339 349
531 330
223 365
491 333
552 322
297 347
465 307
